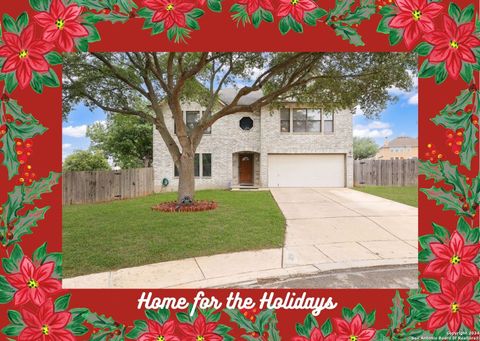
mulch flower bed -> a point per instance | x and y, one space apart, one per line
196 206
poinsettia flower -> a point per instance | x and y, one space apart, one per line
33 284
416 18
156 332
352 331
46 324
62 24
453 260
171 12
253 5
296 8
316 335
453 45
24 54
199 330
453 307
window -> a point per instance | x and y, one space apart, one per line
328 122
206 166
314 119
191 119
246 123
285 120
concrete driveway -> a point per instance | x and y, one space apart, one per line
343 228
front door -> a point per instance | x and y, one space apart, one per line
245 169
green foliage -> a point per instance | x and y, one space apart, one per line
364 147
29 128
85 160
458 195
128 140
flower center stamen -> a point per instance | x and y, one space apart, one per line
161 338
454 307
353 338
23 54
200 338
455 260
294 2
32 284
45 329
416 14
170 7
454 44
60 23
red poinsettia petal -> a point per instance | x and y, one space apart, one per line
454 272
405 5
59 320
12 40
283 10
454 65
154 327
24 75
62 335
65 42
51 285
454 322
38 64
432 10
438 249
200 324
401 20
468 321
469 269
438 319
187 329
301 338
168 22
179 18
341 326
76 30
17 280
44 19
437 267
26 37
40 47
470 308
471 42
366 335
57 9
466 54
316 335
21 296
456 243
356 325
450 26
11 64
469 252
426 25
30 319
72 12
169 327
440 54
466 293
7 51
155 4
439 301
148 337
465 30
439 38
31 334
212 337
411 35
297 13
184 7
331 337
26 266
252 6
51 34
266 4
171 338
37 296
160 16
44 271
307 5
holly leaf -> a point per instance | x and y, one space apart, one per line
469 146
348 33
262 320
100 321
446 199
140 328
397 314
242 322
24 223
40 187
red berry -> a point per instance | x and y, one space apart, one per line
462 198
117 332
465 207
3 130
9 118
116 8
456 149
334 18
5 98
468 108
474 119
9 235
459 132
450 134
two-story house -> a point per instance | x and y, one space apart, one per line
292 145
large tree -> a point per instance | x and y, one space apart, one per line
125 83
128 140
364 147
85 160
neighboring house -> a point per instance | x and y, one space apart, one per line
402 147
293 146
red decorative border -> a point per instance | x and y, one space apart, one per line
445 35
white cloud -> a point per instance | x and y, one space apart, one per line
375 129
413 99
358 111
410 96
66 145
75 131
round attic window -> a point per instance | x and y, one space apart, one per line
246 123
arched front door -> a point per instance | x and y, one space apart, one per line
245 168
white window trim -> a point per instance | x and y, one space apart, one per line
322 124
184 115
200 167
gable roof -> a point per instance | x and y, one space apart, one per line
403 141
228 94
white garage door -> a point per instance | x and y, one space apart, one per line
302 170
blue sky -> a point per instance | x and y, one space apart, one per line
398 119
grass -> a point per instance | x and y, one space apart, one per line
126 233
404 195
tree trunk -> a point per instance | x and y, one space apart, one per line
186 181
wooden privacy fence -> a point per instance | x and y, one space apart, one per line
385 172
101 186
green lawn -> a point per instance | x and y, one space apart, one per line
405 195
119 234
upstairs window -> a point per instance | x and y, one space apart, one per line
191 119
202 162
305 121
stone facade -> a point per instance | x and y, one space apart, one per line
227 139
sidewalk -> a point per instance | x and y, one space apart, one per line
327 229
